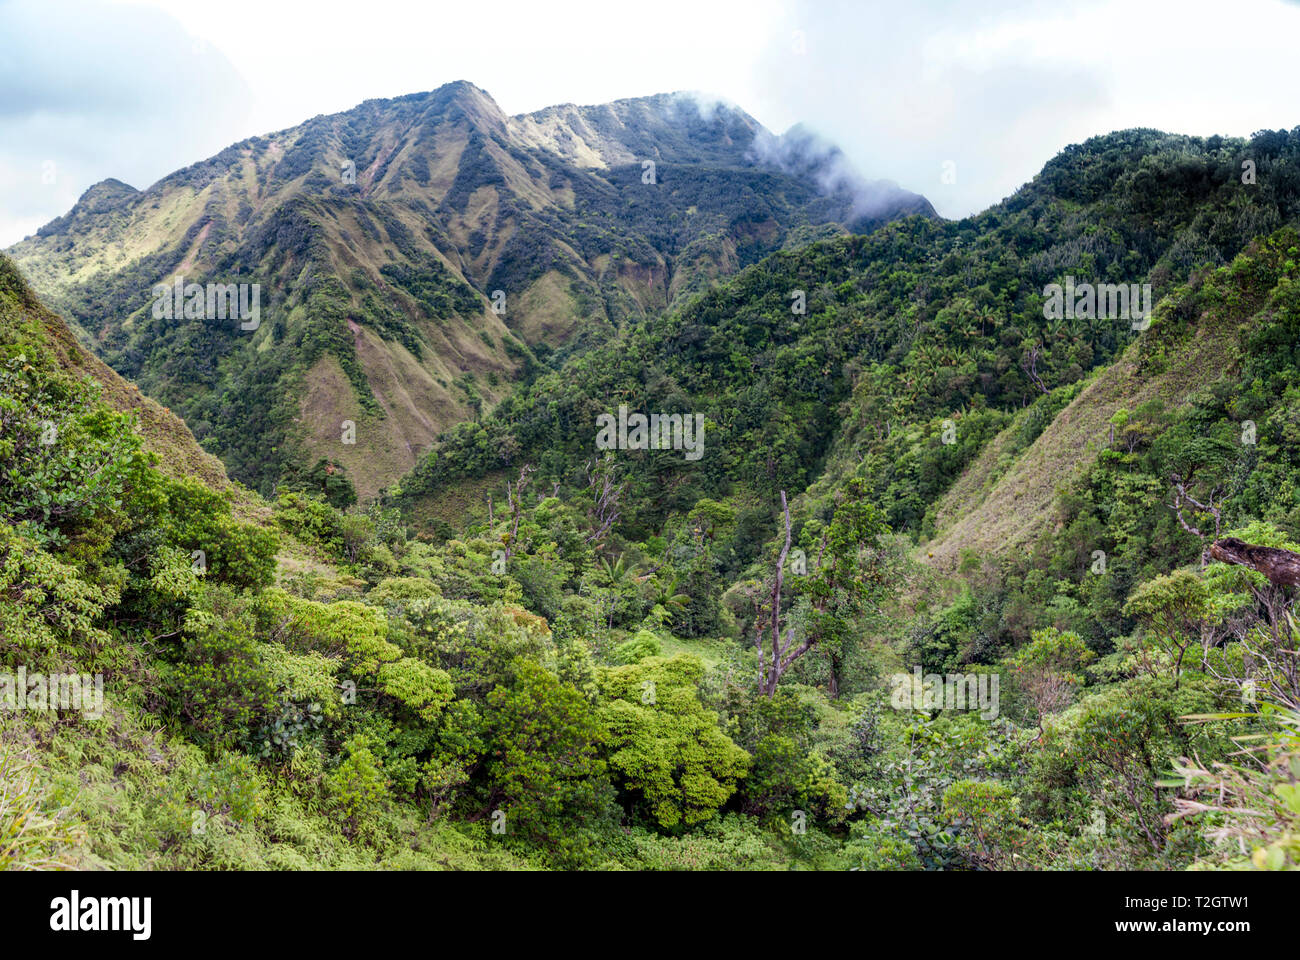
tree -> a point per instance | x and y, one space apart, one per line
1121 742
1281 567
844 580
620 579
515 500
665 744
1047 670
605 494
544 762
326 479
990 814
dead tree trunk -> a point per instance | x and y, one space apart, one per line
515 500
1282 567
772 667
1029 364
770 671
606 494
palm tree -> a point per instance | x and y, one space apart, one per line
618 576
616 573
668 594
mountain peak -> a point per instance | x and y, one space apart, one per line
380 234
678 127
105 194
464 93
102 197
454 101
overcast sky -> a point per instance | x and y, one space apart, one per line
134 89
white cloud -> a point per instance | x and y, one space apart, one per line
999 88
137 88
92 90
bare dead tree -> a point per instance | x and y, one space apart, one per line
1181 497
606 494
770 671
1282 567
1029 364
515 499
841 586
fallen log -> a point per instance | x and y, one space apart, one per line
1282 567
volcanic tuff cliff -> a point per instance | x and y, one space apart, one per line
380 237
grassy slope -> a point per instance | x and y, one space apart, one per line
996 508
165 433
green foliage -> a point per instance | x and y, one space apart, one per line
345 628
193 517
417 685
1260 809
45 605
309 678
642 645
663 742
871 848
915 324
513 702
989 814
1047 669
544 759
326 480
1117 746
903 794
788 773
358 789
479 646
34 833
65 456
218 687
343 536
847 577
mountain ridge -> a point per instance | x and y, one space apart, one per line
382 236
918 325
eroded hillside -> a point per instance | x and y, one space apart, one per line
417 257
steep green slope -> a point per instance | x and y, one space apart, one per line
103 495
918 326
412 254
1006 498
1205 400
164 433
